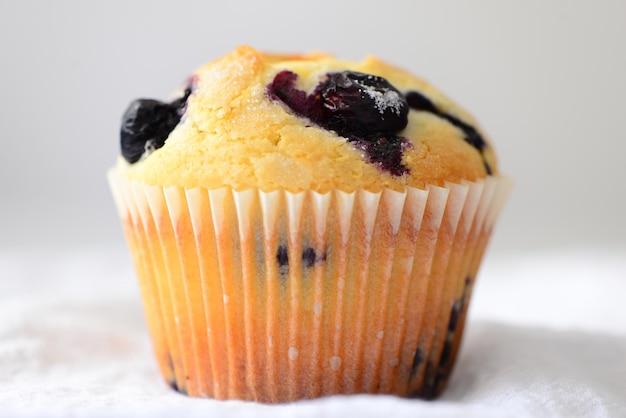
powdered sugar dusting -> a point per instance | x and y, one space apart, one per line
384 99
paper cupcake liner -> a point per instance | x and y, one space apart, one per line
278 296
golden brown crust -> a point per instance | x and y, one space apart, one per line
233 135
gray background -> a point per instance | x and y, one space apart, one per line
547 79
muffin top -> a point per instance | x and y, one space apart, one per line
302 122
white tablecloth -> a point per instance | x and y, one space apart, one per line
546 337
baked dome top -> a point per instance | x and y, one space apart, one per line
302 122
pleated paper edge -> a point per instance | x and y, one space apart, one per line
449 200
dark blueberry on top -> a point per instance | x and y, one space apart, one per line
357 103
365 109
283 88
147 123
418 101
471 134
384 151
349 103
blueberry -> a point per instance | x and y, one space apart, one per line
445 353
283 88
282 256
173 383
310 257
471 134
359 104
147 123
365 109
457 306
455 313
428 389
420 102
418 359
177 388
487 167
384 151
436 375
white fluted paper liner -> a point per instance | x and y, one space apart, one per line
278 296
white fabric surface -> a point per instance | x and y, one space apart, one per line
546 337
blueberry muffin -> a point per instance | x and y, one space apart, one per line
303 226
